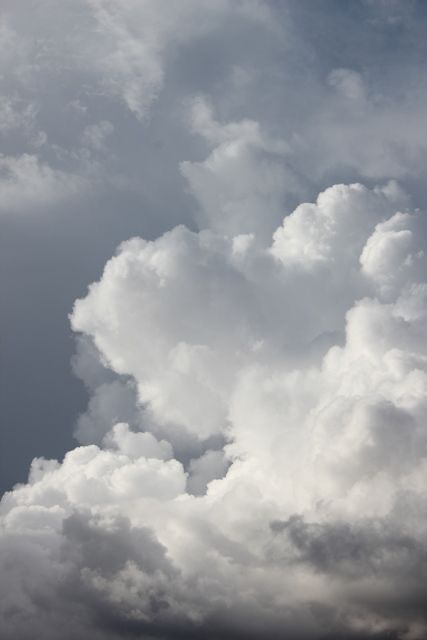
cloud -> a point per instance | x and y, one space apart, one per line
348 83
303 360
70 95
95 135
318 234
26 182
253 457
125 63
12 117
246 172
133 41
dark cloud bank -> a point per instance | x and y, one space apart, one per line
252 459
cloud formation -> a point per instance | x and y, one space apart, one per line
253 458
117 55
271 475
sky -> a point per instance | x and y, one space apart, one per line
213 285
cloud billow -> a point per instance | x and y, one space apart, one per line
296 370
253 458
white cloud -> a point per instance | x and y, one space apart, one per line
390 257
243 184
137 445
254 452
26 182
315 378
334 229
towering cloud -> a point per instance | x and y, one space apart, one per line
252 462
270 478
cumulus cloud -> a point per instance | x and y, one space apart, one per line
253 458
297 366
243 184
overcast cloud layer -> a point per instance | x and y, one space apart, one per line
252 458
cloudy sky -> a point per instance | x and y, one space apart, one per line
213 347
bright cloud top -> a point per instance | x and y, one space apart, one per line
254 453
